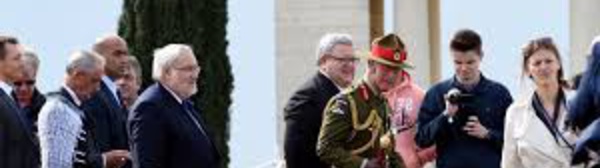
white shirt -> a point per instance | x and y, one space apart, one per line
73 95
327 76
6 88
112 87
179 100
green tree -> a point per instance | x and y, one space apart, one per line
149 24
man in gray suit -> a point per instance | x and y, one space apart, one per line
18 146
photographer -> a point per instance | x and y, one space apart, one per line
467 131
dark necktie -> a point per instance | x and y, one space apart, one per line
191 112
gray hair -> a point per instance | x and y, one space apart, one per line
137 69
30 58
329 41
164 58
84 61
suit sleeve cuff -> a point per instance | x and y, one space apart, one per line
103 160
445 115
364 163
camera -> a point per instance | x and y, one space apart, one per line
456 97
465 103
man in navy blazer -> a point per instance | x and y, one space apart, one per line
105 108
584 108
164 128
18 146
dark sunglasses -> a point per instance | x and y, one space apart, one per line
542 41
27 83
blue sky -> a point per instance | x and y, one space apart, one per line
505 26
56 28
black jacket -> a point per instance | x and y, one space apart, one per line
108 118
454 147
18 145
165 134
32 111
303 115
584 109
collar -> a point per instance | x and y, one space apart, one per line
179 100
476 88
6 87
73 95
407 82
111 85
371 87
327 76
367 91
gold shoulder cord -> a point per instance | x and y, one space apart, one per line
373 121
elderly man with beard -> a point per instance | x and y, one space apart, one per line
165 128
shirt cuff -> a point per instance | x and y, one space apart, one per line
364 163
103 160
448 118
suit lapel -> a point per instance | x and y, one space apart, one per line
194 115
107 95
326 86
17 112
207 134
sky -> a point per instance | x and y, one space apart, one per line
56 28
505 26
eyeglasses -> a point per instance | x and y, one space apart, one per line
24 83
347 59
188 68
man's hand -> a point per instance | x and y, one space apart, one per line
116 158
451 109
475 129
386 141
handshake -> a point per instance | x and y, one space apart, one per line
116 158
385 157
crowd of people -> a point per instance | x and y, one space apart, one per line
386 120
96 118
383 119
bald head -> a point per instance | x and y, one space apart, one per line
114 50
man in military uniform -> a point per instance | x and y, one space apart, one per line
356 127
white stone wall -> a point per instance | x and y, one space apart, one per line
411 24
585 25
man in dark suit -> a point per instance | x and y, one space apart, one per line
165 130
584 109
303 112
18 146
105 109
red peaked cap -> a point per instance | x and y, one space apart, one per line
390 50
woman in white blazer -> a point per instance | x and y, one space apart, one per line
535 135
